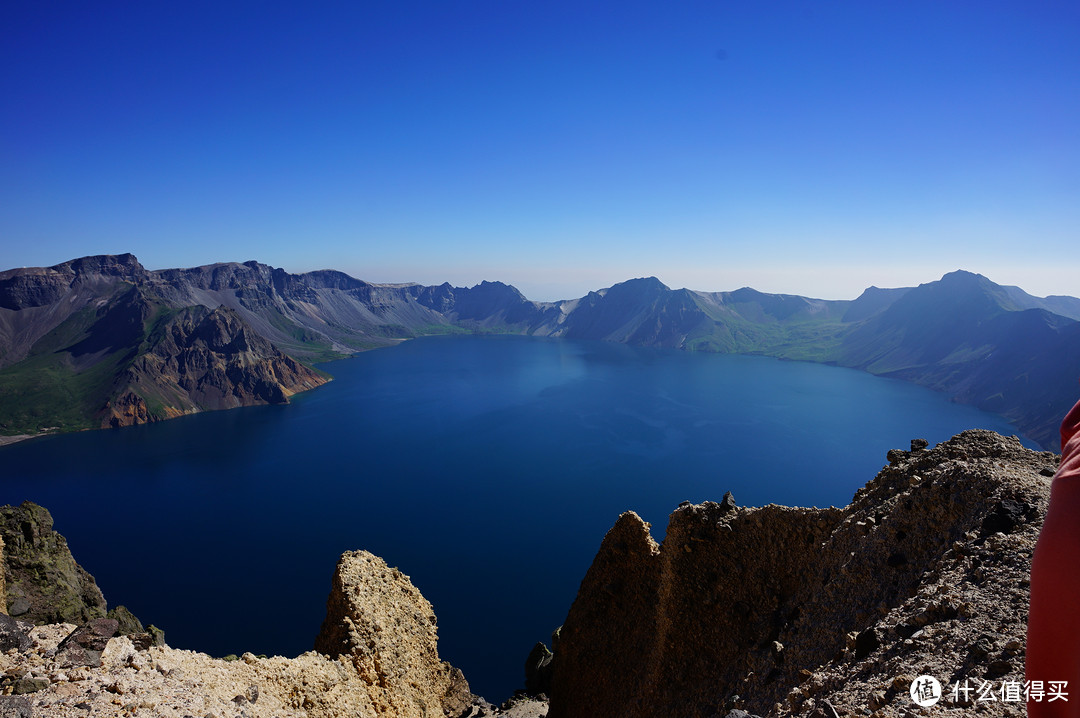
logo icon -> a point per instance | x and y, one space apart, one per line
925 691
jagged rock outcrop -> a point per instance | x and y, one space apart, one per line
378 659
44 584
200 359
377 621
781 610
84 645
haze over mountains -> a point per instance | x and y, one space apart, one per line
101 341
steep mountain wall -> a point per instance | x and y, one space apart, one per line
779 610
994 347
111 350
199 359
36 300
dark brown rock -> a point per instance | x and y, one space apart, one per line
619 592
84 645
12 635
538 670
208 359
789 608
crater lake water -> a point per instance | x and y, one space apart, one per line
487 468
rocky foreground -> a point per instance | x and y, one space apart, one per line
770 611
379 658
818 612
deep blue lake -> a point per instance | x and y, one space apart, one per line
486 468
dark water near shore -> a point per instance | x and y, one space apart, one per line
486 468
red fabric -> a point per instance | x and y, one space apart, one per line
1053 642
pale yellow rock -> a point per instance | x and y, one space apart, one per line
401 676
381 624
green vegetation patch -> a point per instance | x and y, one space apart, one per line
44 391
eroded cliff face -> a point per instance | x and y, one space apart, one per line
42 582
378 622
102 342
38 299
784 610
200 359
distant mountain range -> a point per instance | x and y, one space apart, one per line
101 341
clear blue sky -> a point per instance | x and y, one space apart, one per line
810 147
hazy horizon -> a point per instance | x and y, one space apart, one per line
796 148
582 289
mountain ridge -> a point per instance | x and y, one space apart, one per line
985 344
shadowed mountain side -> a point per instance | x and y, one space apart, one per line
490 305
36 300
1055 304
872 301
322 314
968 337
641 312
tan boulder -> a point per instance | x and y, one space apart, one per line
381 624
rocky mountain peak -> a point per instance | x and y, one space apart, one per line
641 286
125 266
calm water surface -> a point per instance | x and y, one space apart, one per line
486 468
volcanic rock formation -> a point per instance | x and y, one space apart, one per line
44 584
378 622
379 630
801 611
